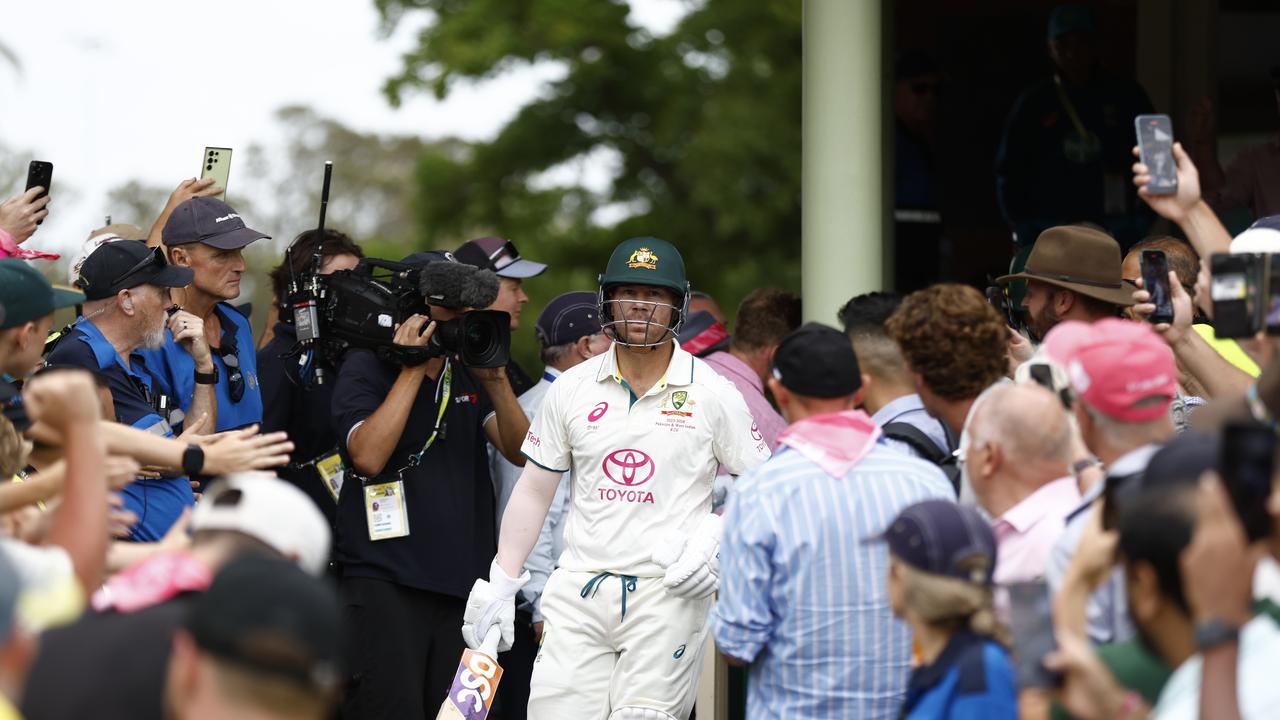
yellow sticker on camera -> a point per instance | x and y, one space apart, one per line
386 511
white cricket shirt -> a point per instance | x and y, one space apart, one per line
640 466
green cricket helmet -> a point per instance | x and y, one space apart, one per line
644 261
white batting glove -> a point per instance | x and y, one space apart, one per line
692 565
492 603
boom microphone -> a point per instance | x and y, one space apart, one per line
456 285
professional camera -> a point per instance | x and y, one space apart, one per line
362 307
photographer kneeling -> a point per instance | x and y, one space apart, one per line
416 520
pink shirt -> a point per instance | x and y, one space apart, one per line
768 421
1027 532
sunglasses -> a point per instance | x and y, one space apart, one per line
235 379
155 259
503 256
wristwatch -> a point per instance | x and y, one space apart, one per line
193 460
209 378
1213 632
1080 466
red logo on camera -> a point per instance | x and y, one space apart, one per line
598 411
628 467
755 432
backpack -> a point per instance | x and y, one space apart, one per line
913 436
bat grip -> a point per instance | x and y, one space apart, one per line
489 646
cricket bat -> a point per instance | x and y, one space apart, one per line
475 682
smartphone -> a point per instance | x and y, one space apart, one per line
1247 461
217 165
1235 289
1155 146
40 173
1031 621
1272 300
1155 279
998 298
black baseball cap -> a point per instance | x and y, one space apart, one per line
498 255
267 615
209 221
126 264
26 295
426 257
567 317
817 361
942 537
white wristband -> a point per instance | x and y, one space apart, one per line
505 587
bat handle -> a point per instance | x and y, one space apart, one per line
489 646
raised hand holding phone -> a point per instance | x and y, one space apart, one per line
1155 147
216 165
39 178
1155 279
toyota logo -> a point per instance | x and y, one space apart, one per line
628 467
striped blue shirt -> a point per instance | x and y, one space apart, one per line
803 599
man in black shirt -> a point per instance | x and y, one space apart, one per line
416 513
292 399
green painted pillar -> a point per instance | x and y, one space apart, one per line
844 224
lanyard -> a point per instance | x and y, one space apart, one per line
1070 108
443 392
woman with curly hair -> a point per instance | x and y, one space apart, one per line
941 559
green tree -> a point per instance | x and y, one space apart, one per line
704 124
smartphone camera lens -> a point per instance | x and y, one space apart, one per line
209 166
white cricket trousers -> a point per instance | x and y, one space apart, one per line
594 661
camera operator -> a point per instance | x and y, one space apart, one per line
208 236
501 257
290 401
126 287
416 515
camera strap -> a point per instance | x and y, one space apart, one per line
444 391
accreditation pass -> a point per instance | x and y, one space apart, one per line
385 510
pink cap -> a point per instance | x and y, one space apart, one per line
1114 365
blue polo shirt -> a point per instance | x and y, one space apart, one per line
157 503
175 370
971 679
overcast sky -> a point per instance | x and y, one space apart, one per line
110 91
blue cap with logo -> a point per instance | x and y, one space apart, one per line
209 221
568 317
943 538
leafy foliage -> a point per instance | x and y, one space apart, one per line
703 123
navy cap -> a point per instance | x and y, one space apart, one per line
126 264
943 538
1070 18
817 361
1182 460
498 255
427 257
209 221
567 317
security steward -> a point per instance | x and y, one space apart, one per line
297 385
126 286
208 236
416 512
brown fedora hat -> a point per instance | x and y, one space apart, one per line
1079 259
